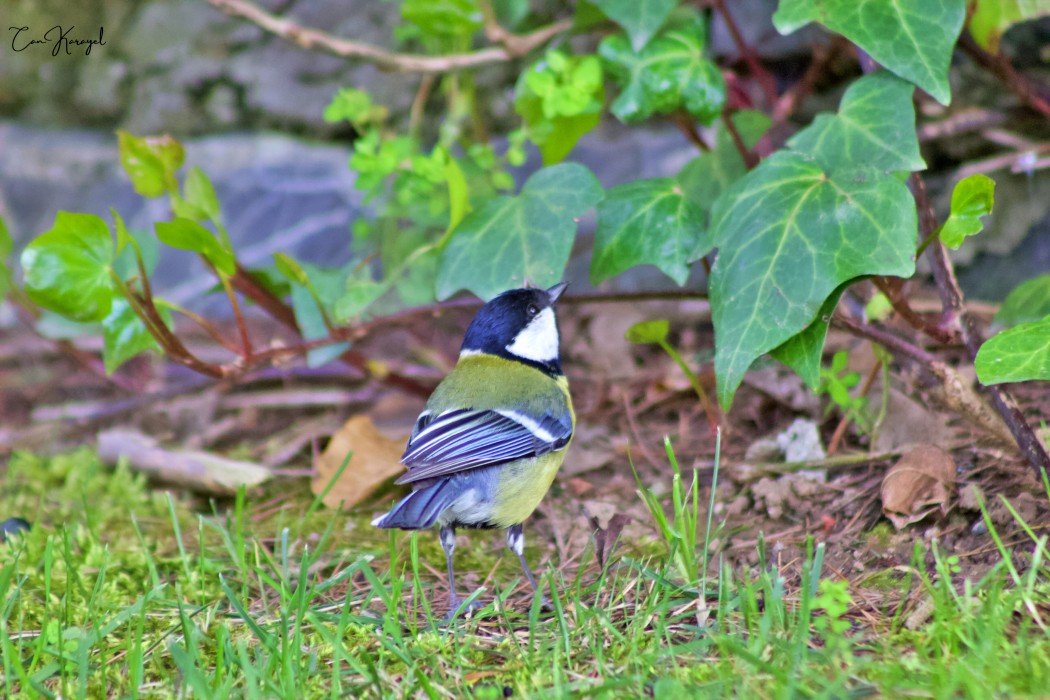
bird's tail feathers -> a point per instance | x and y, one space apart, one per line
419 509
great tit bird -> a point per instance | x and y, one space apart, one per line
486 448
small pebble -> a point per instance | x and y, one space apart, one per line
12 526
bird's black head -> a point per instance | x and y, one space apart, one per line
519 325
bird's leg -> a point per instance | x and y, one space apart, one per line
516 543
447 534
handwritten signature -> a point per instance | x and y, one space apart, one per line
58 36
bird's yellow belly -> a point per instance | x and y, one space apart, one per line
521 487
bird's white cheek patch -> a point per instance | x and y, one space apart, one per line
537 341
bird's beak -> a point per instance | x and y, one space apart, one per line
555 291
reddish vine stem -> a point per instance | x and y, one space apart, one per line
840 429
955 314
687 126
758 71
893 289
283 313
1033 94
787 103
749 156
895 344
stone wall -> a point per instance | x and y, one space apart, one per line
183 67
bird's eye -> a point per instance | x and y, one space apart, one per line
532 310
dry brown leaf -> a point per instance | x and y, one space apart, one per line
922 481
375 459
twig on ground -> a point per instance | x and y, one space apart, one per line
198 471
513 46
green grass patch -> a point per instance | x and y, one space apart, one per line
121 591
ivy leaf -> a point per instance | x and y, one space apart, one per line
875 125
512 239
124 334
972 198
641 19
199 193
67 268
290 268
6 242
803 352
646 332
445 18
670 72
991 18
560 98
6 245
151 162
789 234
1028 301
458 194
647 222
128 242
185 234
312 304
912 38
709 174
1019 354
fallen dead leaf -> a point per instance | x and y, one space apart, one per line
374 459
608 523
921 482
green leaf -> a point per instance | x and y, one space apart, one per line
125 265
560 98
669 73
705 177
185 234
789 234
510 13
972 198
356 107
991 18
878 307
509 240
646 332
444 18
912 38
875 126
124 334
647 222
67 268
458 195
803 352
641 19
151 162
6 242
587 15
1029 301
290 268
200 194
359 295
313 304
1019 354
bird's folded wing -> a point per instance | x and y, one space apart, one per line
467 439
